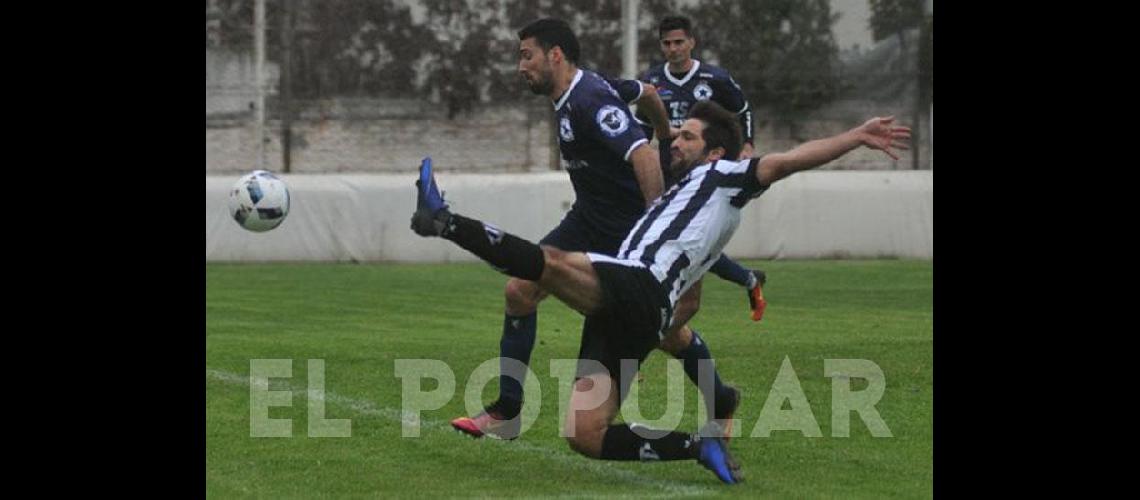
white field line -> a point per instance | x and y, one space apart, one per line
590 465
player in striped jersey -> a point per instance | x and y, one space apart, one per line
634 294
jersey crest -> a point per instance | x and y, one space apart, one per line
564 129
612 121
702 91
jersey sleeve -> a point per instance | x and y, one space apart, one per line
642 119
752 185
628 90
610 121
742 174
732 98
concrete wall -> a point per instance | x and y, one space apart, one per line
389 135
357 217
391 139
230 81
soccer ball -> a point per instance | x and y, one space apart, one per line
259 201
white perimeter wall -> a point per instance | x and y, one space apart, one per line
819 214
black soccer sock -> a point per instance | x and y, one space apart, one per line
505 252
692 357
622 443
732 271
516 344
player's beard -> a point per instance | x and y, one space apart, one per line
543 82
678 165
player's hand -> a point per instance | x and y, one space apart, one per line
879 133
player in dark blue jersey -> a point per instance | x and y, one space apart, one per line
682 82
599 141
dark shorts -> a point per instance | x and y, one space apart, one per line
574 234
634 313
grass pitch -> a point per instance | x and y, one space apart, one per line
359 319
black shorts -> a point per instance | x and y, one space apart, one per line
635 312
574 234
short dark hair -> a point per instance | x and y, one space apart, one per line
549 33
722 130
670 23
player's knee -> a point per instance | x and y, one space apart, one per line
677 340
586 437
522 296
673 345
578 444
584 429
554 260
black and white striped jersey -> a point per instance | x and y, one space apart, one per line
683 233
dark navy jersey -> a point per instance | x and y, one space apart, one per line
702 82
596 135
628 90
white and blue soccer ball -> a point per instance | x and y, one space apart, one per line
259 201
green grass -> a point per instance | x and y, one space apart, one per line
360 318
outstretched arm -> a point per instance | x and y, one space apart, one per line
876 133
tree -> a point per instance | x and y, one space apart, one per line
475 56
472 53
342 47
897 18
893 17
782 53
359 47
